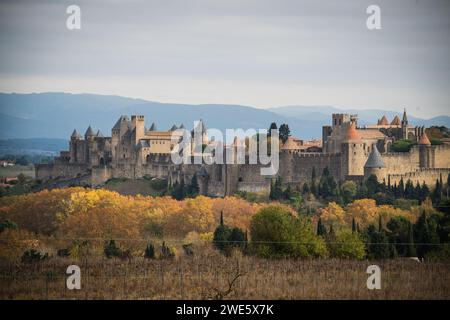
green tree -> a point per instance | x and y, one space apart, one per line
402 145
7 224
321 230
179 190
378 246
437 193
398 235
287 193
226 238
149 251
276 192
111 250
275 233
193 188
424 192
348 191
285 132
426 233
305 188
273 126
347 245
409 190
372 185
353 225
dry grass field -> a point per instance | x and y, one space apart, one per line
209 275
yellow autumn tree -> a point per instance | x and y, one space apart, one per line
332 214
365 212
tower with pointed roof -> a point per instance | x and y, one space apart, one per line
375 165
89 133
353 153
405 125
426 152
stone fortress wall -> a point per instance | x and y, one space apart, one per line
349 152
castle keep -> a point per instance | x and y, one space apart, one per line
350 152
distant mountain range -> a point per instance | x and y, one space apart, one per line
55 115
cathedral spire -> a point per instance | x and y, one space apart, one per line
405 118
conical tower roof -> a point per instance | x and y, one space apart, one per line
396 121
153 127
384 121
352 134
121 119
89 132
174 127
99 134
75 134
375 160
424 141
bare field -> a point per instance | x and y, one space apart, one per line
209 275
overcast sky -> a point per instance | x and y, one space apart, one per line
252 52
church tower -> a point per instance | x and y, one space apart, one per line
404 125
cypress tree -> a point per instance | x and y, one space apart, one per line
448 185
331 233
313 188
437 193
193 189
278 191
424 191
418 192
149 251
305 189
380 223
409 190
321 231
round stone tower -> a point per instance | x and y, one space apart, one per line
375 165
425 151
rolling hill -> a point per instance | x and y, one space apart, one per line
55 115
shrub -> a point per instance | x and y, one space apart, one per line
149 251
167 252
63 253
158 184
402 145
226 238
188 249
33 255
347 245
7 224
276 232
111 250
